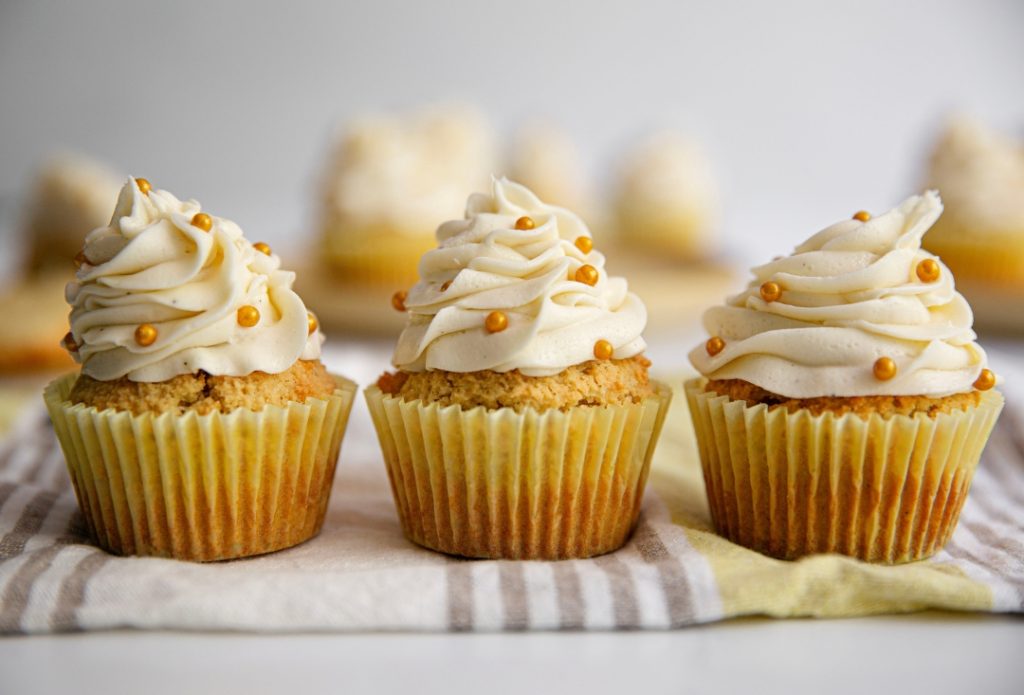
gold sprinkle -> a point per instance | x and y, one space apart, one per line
446 285
496 322
311 322
69 342
202 221
145 335
862 215
80 259
603 350
398 300
144 185
262 248
714 345
985 380
584 244
587 274
248 316
884 369
770 291
524 223
928 270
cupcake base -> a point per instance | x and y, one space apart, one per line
523 485
201 487
886 490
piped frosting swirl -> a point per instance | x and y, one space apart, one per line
483 263
850 295
152 265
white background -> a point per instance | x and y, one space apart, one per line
810 110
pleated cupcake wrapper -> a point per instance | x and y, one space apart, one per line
880 489
201 487
518 485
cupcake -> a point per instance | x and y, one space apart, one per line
202 425
980 173
390 182
666 200
844 402
521 421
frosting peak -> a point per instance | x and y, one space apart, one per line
484 263
152 265
850 295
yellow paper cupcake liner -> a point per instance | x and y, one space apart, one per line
518 485
380 258
201 487
993 259
880 489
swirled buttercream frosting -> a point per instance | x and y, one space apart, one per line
152 265
850 295
484 263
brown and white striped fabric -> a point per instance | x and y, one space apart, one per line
360 574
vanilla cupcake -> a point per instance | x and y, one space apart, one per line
666 200
521 420
203 425
844 402
391 180
980 174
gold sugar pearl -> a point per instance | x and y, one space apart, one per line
446 285
862 215
80 259
714 345
248 316
496 322
587 274
928 270
985 380
603 350
144 185
884 369
770 291
584 244
202 221
69 342
145 334
262 248
311 322
398 300
524 223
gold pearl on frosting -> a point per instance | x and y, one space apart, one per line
985 380
587 274
262 248
770 291
884 369
862 215
145 335
603 350
496 322
584 244
445 285
398 300
525 222
714 345
144 185
248 316
928 270
202 221
80 259
311 322
69 342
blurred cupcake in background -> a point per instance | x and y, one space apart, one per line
544 159
390 180
663 218
980 174
203 425
70 196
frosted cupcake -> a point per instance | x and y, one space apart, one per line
203 425
980 173
844 402
666 200
521 420
391 181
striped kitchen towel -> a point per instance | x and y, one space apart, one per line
360 573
